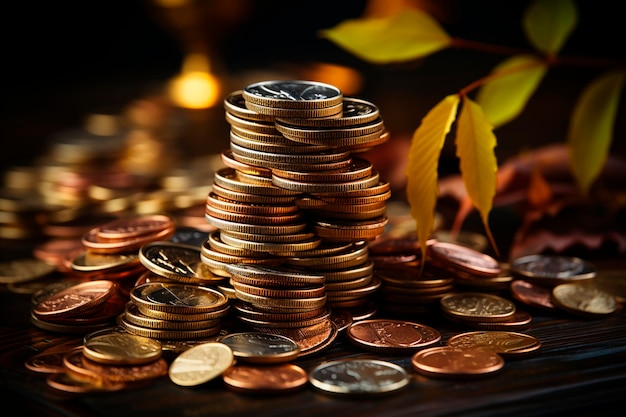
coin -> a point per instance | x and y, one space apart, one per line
355 112
293 94
584 299
464 258
122 349
358 377
454 362
477 307
551 270
505 343
200 364
257 347
278 378
76 299
392 336
178 298
23 270
532 295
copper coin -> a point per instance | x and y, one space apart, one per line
76 299
79 365
265 379
132 227
391 335
49 362
65 382
532 295
447 361
464 258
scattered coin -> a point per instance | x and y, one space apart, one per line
454 362
505 343
257 347
358 377
266 379
584 299
392 336
201 363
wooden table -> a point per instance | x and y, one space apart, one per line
580 369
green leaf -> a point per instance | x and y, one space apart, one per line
421 171
548 24
408 35
513 82
591 127
475 143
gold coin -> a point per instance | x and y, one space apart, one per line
235 104
177 297
292 131
200 364
295 113
327 187
122 349
229 161
584 299
272 247
355 112
477 306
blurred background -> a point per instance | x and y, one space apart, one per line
75 73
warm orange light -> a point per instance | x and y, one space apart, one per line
347 79
195 87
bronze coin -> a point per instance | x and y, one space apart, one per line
76 299
532 295
464 258
265 379
506 343
480 307
453 362
397 336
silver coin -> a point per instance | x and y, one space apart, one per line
293 94
358 376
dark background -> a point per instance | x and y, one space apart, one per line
63 60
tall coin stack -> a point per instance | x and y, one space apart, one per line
295 205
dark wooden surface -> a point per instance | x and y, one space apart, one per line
579 370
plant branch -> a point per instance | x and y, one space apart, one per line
578 61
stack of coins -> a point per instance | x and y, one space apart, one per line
472 269
79 308
174 311
110 250
110 362
293 196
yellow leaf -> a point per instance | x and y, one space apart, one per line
511 85
421 171
548 24
591 127
475 143
407 35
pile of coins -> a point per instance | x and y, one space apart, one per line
564 283
79 307
106 361
294 207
